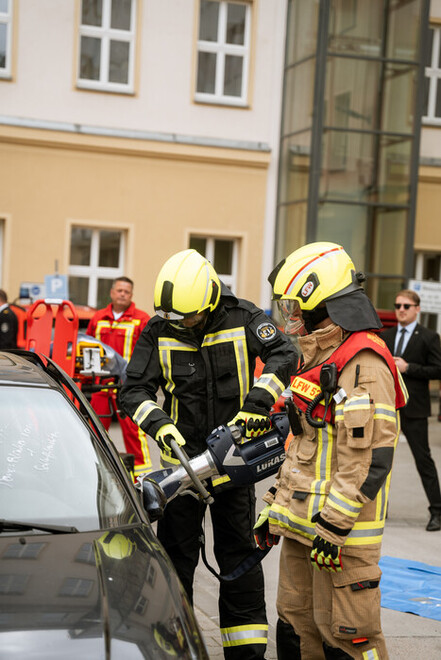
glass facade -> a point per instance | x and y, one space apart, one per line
350 133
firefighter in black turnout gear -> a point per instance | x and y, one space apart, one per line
200 349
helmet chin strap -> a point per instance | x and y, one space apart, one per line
314 317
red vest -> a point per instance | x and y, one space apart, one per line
306 384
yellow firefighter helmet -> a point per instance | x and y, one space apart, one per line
187 284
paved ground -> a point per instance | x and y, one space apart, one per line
408 636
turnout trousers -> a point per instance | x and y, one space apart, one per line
135 440
323 617
243 622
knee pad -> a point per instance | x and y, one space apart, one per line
331 653
288 642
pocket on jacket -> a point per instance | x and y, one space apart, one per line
358 420
356 602
306 443
225 369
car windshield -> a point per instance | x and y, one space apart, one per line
52 468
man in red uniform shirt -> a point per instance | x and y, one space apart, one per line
119 325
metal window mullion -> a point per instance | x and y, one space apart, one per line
6 19
317 125
431 101
234 266
246 49
415 149
434 60
220 57
209 250
436 73
122 251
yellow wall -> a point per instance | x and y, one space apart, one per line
159 192
427 223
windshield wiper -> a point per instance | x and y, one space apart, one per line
10 525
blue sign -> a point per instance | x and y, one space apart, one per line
56 286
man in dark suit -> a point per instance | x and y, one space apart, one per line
417 354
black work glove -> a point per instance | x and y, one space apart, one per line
326 555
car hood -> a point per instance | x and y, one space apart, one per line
92 595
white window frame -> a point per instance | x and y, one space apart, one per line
220 48
6 19
93 272
229 279
105 33
433 72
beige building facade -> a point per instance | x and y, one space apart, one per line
131 129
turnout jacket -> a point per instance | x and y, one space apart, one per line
207 379
122 334
335 480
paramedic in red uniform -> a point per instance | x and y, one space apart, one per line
119 325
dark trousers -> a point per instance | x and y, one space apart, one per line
417 435
241 601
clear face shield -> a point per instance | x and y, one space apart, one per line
292 317
189 324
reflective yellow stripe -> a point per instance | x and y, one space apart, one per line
363 533
143 411
343 504
403 387
372 654
238 337
220 480
284 518
127 326
165 346
147 465
271 384
325 441
241 635
357 402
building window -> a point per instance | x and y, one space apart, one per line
5 38
223 52
432 96
107 45
76 587
96 258
222 253
19 551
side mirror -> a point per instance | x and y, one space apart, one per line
153 499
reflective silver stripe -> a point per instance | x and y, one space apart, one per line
372 654
241 635
358 403
238 337
291 522
271 383
323 464
385 412
361 533
144 410
344 505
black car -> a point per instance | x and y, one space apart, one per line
82 574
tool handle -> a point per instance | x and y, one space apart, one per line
184 460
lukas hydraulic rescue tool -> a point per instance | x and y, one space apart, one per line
226 454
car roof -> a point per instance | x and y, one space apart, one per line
18 369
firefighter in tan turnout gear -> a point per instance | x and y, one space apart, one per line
330 497
200 349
